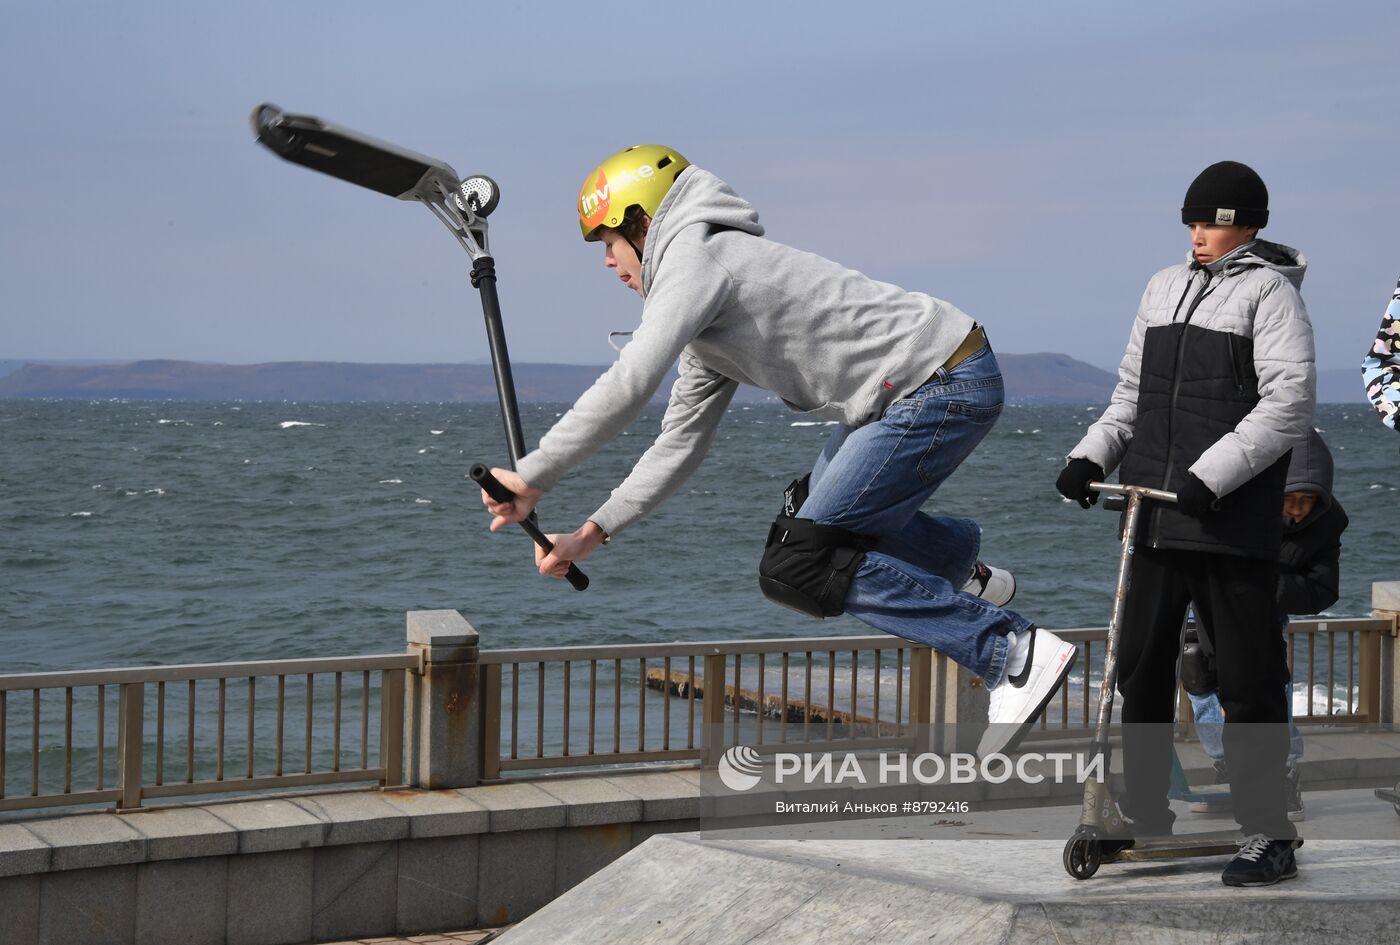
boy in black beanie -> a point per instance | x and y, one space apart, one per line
1216 386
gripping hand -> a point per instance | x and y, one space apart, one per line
1075 478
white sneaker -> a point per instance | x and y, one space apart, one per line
993 585
1018 701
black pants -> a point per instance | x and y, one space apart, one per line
1235 599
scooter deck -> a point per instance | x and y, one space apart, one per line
1389 794
1210 843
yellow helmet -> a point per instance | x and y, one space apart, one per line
638 176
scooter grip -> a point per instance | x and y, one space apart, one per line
492 486
481 473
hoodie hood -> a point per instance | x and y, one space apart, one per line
1285 260
697 197
1310 470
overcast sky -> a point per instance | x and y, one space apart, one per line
1024 161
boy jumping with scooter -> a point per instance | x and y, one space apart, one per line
910 379
1216 386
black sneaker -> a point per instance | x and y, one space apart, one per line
1262 862
1111 847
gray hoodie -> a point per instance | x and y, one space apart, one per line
738 308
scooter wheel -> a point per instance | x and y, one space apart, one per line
1397 806
1082 856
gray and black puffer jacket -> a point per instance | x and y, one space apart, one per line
1219 381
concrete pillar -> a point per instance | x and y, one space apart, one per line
1385 603
444 701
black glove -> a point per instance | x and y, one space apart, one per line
1195 498
1075 478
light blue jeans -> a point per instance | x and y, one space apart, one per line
873 480
1210 718
1210 726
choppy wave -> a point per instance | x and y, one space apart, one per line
288 424
281 547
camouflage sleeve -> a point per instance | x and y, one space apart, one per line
1381 369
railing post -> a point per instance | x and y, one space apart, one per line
131 717
1385 604
491 721
1368 684
959 715
921 698
712 702
445 750
391 716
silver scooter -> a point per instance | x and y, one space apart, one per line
1101 819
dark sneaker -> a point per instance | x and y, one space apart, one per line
1262 862
1295 796
1111 847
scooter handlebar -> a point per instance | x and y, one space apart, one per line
492 486
1142 491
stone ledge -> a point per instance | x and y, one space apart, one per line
594 802
358 817
271 824
21 852
439 813
85 841
518 806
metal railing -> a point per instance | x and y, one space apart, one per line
156 717
1358 664
129 735
543 707
633 703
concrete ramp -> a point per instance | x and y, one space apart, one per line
721 888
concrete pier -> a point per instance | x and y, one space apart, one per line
992 877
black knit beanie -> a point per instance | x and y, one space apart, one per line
1227 193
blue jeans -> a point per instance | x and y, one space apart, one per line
1210 726
873 479
1210 717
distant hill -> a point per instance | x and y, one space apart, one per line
1030 379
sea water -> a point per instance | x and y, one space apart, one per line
135 532
144 532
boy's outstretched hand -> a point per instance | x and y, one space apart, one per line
515 511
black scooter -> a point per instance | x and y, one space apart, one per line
462 204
